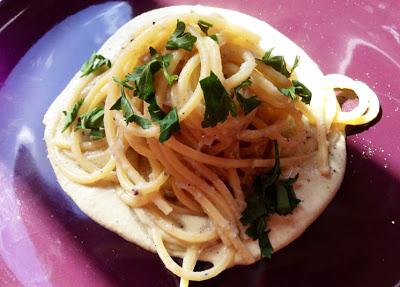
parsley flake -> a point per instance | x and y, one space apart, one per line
214 37
93 121
247 104
169 124
180 38
295 64
278 63
123 104
164 61
205 26
217 100
270 195
94 63
123 83
297 89
302 91
71 116
289 92
143 77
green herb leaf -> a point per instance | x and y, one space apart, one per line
180 38
204 26
289 92
144 86
95 62
97 134
71 115
302 91
282 199
263 241
270 195
214 37
273 175
217 100
164 61
286 197
278 63
123 83
295 64
255 209
246 83
143 76
93 121
155 111
247 104
123 104
297 89
135 75
169 125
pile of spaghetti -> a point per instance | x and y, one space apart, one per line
189 113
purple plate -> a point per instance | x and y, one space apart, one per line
45 240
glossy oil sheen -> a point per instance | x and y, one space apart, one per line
45 240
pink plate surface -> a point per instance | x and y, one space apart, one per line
45 240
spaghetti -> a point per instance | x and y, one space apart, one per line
190 190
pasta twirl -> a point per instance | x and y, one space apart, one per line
180 189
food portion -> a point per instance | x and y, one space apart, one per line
195 137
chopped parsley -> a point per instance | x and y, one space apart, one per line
217 100
169 125
278 63
142 76
295 64
164 61
180 38
94 63
302 91
205 26
289 92
270 195
247 104
214 37
124 83
155 110
297 89
169 122
71 115
123 104
93 121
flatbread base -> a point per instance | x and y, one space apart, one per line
104 205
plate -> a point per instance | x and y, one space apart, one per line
45 240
